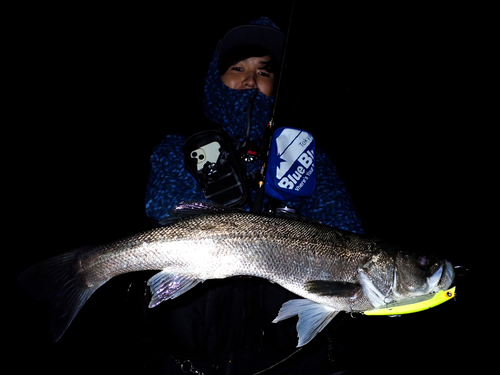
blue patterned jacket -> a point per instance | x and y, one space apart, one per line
170 182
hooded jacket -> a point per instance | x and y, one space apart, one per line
170 182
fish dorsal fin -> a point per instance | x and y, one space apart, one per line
313 317
188 209
166 286
333 288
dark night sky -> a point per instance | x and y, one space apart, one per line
401 99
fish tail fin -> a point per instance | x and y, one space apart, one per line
62 282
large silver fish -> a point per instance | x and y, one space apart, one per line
331 269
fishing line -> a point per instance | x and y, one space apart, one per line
249 116
280 78
268 133
283 59
276 364
246 140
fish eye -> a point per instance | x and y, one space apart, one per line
423 262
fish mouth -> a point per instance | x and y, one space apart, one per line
446 277
442 279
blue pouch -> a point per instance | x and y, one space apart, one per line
291 171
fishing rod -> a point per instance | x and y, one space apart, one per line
269 130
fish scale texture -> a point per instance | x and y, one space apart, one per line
170 183
288 252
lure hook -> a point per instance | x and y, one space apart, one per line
460 270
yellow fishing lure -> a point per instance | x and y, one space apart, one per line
414 304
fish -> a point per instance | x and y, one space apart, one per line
331 270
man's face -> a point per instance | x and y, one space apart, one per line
250 73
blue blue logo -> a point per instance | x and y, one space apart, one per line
291 170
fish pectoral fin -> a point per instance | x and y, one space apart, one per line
374 295
166 286
333 288
313 317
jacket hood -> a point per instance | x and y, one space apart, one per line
229 107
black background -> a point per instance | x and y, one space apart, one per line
400 97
